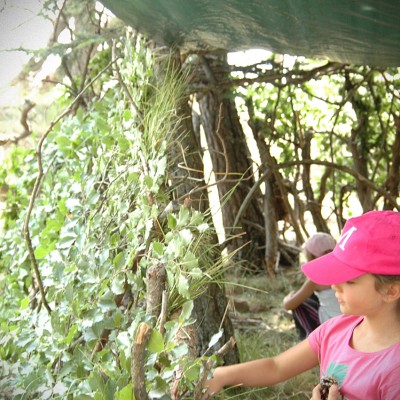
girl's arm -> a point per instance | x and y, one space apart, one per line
294 299
266 371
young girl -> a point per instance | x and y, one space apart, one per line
313 304
361 348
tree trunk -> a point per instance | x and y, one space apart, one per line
210 308
276 203
232 166
313 205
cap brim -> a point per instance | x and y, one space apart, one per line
329 270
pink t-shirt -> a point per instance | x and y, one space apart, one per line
361 376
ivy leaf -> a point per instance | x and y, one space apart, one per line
180 351
192 373
119 260
126 393
63 142
123 339
148 181
72 203
203 227
107 140
42 251
172 223
46 394
118 284
93 198
123 144
103 256
190 261
183 286
196 218
127 114
25 303
66 242
69 293
59 388
196 273
159 389
187 309
107 302
71 334
133 177
158 248
156 342
183 216
186 236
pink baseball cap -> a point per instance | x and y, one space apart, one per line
319 243
369 244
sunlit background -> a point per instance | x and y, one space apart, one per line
21 27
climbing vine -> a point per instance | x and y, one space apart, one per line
87 219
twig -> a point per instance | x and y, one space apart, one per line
224 152
125 88
208 365
249 196
24 120
274 78
28 105
57 30
163 315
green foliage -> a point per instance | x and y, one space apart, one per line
104 188
348 115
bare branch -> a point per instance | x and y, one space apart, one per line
138 361
14 138
347 170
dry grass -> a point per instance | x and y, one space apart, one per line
264 329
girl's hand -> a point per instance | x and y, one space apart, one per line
289 296
213 387
334 393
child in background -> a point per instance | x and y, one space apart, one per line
313 304
360 349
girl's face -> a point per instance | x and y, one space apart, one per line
359 296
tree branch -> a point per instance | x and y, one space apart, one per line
347 170
28 105
138 361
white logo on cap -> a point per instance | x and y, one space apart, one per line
345 237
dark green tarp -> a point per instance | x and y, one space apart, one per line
347 31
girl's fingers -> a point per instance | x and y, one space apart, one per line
334 393
316 393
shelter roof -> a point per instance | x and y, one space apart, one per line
347 31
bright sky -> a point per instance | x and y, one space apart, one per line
20 26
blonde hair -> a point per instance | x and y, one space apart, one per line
382 280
